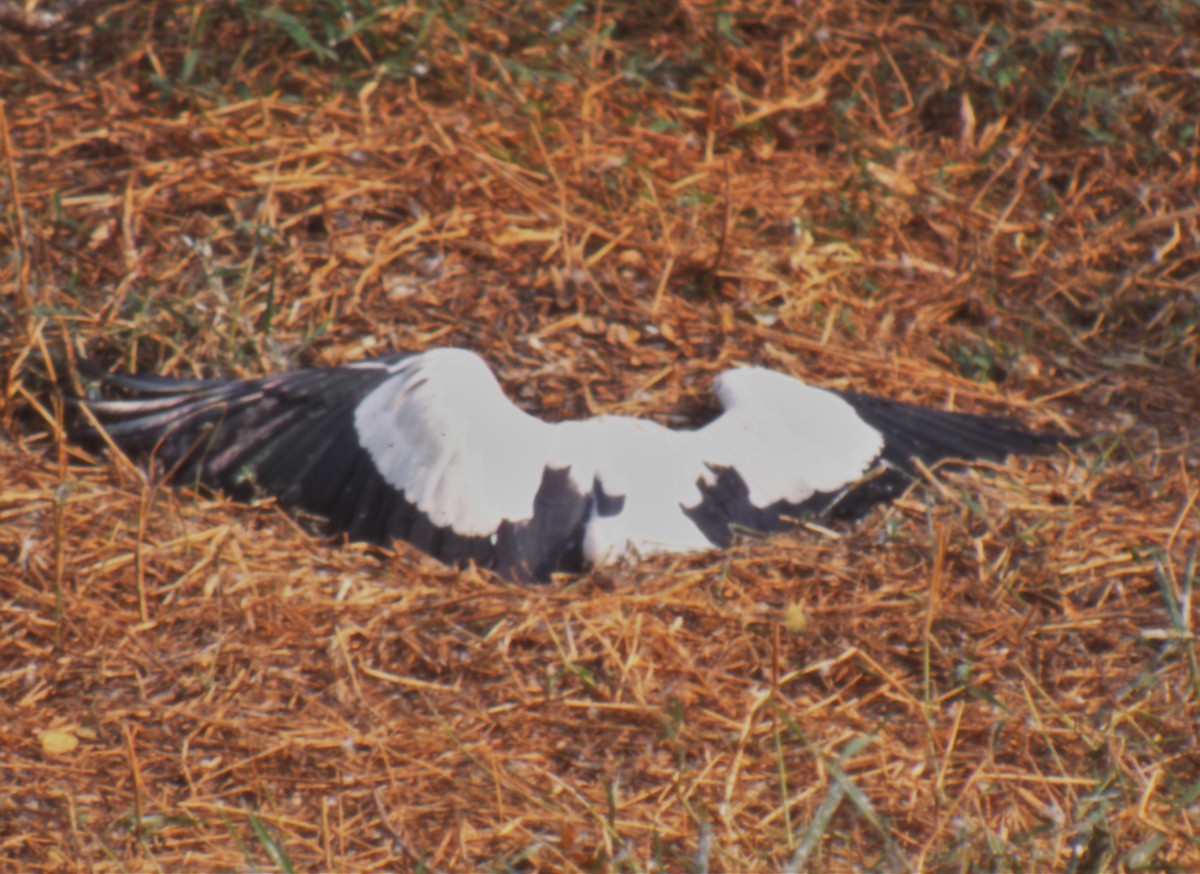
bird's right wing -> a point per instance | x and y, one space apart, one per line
423 448
441 432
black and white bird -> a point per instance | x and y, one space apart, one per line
426 448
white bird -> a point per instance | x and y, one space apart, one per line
426 448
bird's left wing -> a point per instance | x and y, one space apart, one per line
783 449
423 448
778 443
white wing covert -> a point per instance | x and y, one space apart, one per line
442 431
787 439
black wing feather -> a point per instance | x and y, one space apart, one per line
914 433
933 435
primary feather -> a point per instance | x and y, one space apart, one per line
426 448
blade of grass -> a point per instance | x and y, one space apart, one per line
270 846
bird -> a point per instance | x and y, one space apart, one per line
425 447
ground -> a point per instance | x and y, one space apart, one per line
986 206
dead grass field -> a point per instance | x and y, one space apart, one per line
989 205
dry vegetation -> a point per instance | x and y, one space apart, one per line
991 205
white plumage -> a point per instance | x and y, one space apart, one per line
428 449
441 431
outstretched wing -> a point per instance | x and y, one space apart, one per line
911 432
783 450
423 448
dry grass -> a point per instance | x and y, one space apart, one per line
990 205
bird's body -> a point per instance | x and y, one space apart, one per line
426 448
